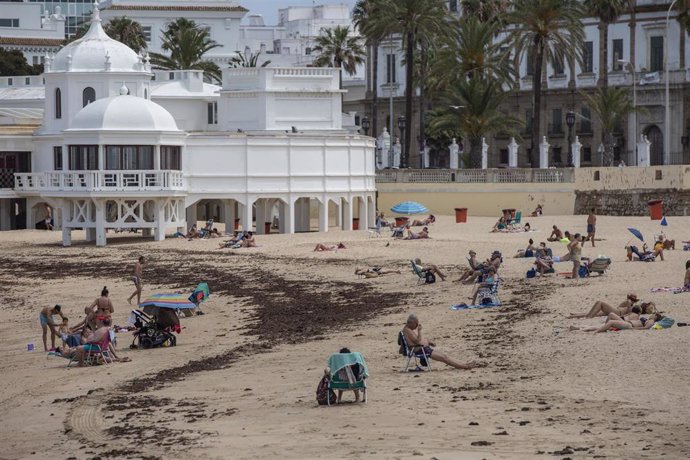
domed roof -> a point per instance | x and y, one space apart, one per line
96 52
123 113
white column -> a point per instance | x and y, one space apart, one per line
101 158
513 153
347 214
287 219
338 213
323 214
643 149
100 222
363 221
454 150
30 213
302 217
485 154
544 153
191 216
65 157
576 146
229 215
260 216
371 214
159 219
246 216
157 157
66 236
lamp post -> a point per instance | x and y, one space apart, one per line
667 118
570 121
402 123
366 125
629 65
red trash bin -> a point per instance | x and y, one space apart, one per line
400 221
267 228
355 223
237 224
656 209
460 215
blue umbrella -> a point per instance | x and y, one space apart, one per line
637 233
409 207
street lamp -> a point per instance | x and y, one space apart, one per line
366 125
402 123
667 118
629 65
570 121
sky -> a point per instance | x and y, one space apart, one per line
269 8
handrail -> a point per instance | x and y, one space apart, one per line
106 181
476 176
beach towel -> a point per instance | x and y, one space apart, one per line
675 290
464 306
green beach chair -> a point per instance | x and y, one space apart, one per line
348 373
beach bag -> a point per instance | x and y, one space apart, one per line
531 273
429 278
324 394
583 272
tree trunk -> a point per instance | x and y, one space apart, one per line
375 91
536 104
475 152
422 103
633 27
409 94
607 159
604 55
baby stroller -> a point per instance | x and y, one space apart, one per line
155 330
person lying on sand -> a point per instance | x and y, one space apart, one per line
602 308
374 272
429 268
249 241
474 266
414 338
422 235
428 221
320 247
631 321
556 234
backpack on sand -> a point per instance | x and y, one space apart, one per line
324 394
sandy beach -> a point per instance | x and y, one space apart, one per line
241 382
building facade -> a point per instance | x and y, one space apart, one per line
118 146
31 29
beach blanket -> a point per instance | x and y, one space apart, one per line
464 306
675 290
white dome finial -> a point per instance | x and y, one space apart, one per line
95 13
124 90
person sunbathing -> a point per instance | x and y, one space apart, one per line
422 235
500 225
192 233
474 266
414 339
374 272
616 322
429 268
556 234
320 247
644 256
428 221
487 282
543 262
601 308
493 262
537 211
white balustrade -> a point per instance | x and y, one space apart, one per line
476 176
100 181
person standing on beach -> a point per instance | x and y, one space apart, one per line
46 319
575 252
591 226
137 279
104 307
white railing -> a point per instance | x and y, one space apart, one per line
476 176
100 181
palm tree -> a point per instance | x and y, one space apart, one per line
338 49
251 60
420 23
471 109
485 10
187 43
607 11
127 31
548 30
611 106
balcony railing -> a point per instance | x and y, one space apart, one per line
476 176
100 181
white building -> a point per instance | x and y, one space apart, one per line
116 149
24 28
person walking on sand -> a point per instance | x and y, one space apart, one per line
413 337
47 322
137 279
591 226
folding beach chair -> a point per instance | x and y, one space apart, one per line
206 231
488 295
348 373
96 353
598 265
515 223
420 358
423 276
375 232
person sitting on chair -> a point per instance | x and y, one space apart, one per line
537 211
92 343
192 233
342 376
487 282
429 268
414 338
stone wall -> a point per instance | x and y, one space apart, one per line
632 202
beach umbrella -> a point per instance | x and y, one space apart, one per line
201 293
173 301
409 207
637 233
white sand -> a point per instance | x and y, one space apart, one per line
619 395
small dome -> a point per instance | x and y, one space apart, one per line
96 52
123 113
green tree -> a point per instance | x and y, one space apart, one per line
187 44
485 10
548 31
336 48
13 63
420 24
247 61
607 11
471 110
127 31
612 107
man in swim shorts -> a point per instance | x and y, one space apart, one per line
137 279
591 226
46 319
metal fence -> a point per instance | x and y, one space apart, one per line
476 176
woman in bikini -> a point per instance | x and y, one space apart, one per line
631 321
104 307
602 308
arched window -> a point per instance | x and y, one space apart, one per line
88 96
58 103
146 93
